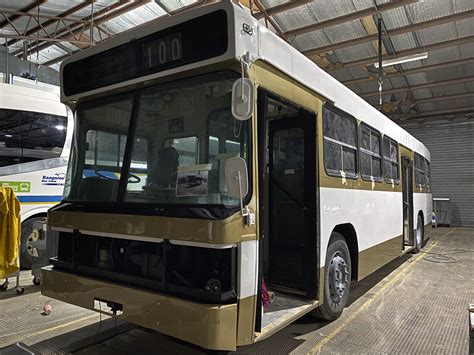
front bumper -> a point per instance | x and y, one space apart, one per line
209 326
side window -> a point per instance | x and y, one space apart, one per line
28 136
419 171
340 144
187 148
427 173
390 160
370 158
104 148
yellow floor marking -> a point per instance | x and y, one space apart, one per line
367 303
64 325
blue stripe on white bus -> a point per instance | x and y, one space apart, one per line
39 199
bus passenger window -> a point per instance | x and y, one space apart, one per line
340 144
29 136
427 174
370 159
419 171
390 160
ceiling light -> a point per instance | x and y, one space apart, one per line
407 59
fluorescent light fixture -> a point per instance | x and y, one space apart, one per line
407 59
60 127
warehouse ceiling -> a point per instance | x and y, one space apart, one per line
339 35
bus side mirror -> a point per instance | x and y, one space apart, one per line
242 99
236 178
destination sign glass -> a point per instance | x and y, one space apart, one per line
192 41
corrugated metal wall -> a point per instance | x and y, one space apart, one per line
452 166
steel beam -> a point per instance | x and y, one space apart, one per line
51 21
419 87
270 20
349 17
436 98
434 113
427 48
16 16
422 69
395 32
100 17
46 39
281 8
30 14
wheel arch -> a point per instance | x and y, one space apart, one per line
349 233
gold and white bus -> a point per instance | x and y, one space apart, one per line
211 163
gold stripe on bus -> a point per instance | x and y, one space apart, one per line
227 231
377 256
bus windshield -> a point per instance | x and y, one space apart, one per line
183 133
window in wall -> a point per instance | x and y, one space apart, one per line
370 158
340 143
419 171
390 160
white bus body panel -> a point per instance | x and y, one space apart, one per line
44 178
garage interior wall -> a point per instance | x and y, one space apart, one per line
452 166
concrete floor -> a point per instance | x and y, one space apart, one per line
416 304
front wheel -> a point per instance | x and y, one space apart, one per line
337 279
26 260
418 236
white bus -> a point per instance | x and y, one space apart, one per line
34 149
238 166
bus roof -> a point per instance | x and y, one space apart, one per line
15 97
264 45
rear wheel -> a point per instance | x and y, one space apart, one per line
26 260
337 279
418 235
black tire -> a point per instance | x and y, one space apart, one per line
37 280
335 294
26 260
4 286
419 234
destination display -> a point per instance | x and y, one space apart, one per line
192 41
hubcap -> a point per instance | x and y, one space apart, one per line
338 277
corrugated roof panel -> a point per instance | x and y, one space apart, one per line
272 3
173 5
444 55
311 40
447 104
49 53
437 34
295 18
463 5
445 73
452 89
360 51
396 82
364 4
342 75
467 50
429 106
395 18
427 10
412 65
358 72
403 42
468 69
465 27
422 94
417 79
324 10
345 31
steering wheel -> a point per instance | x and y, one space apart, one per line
132 178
